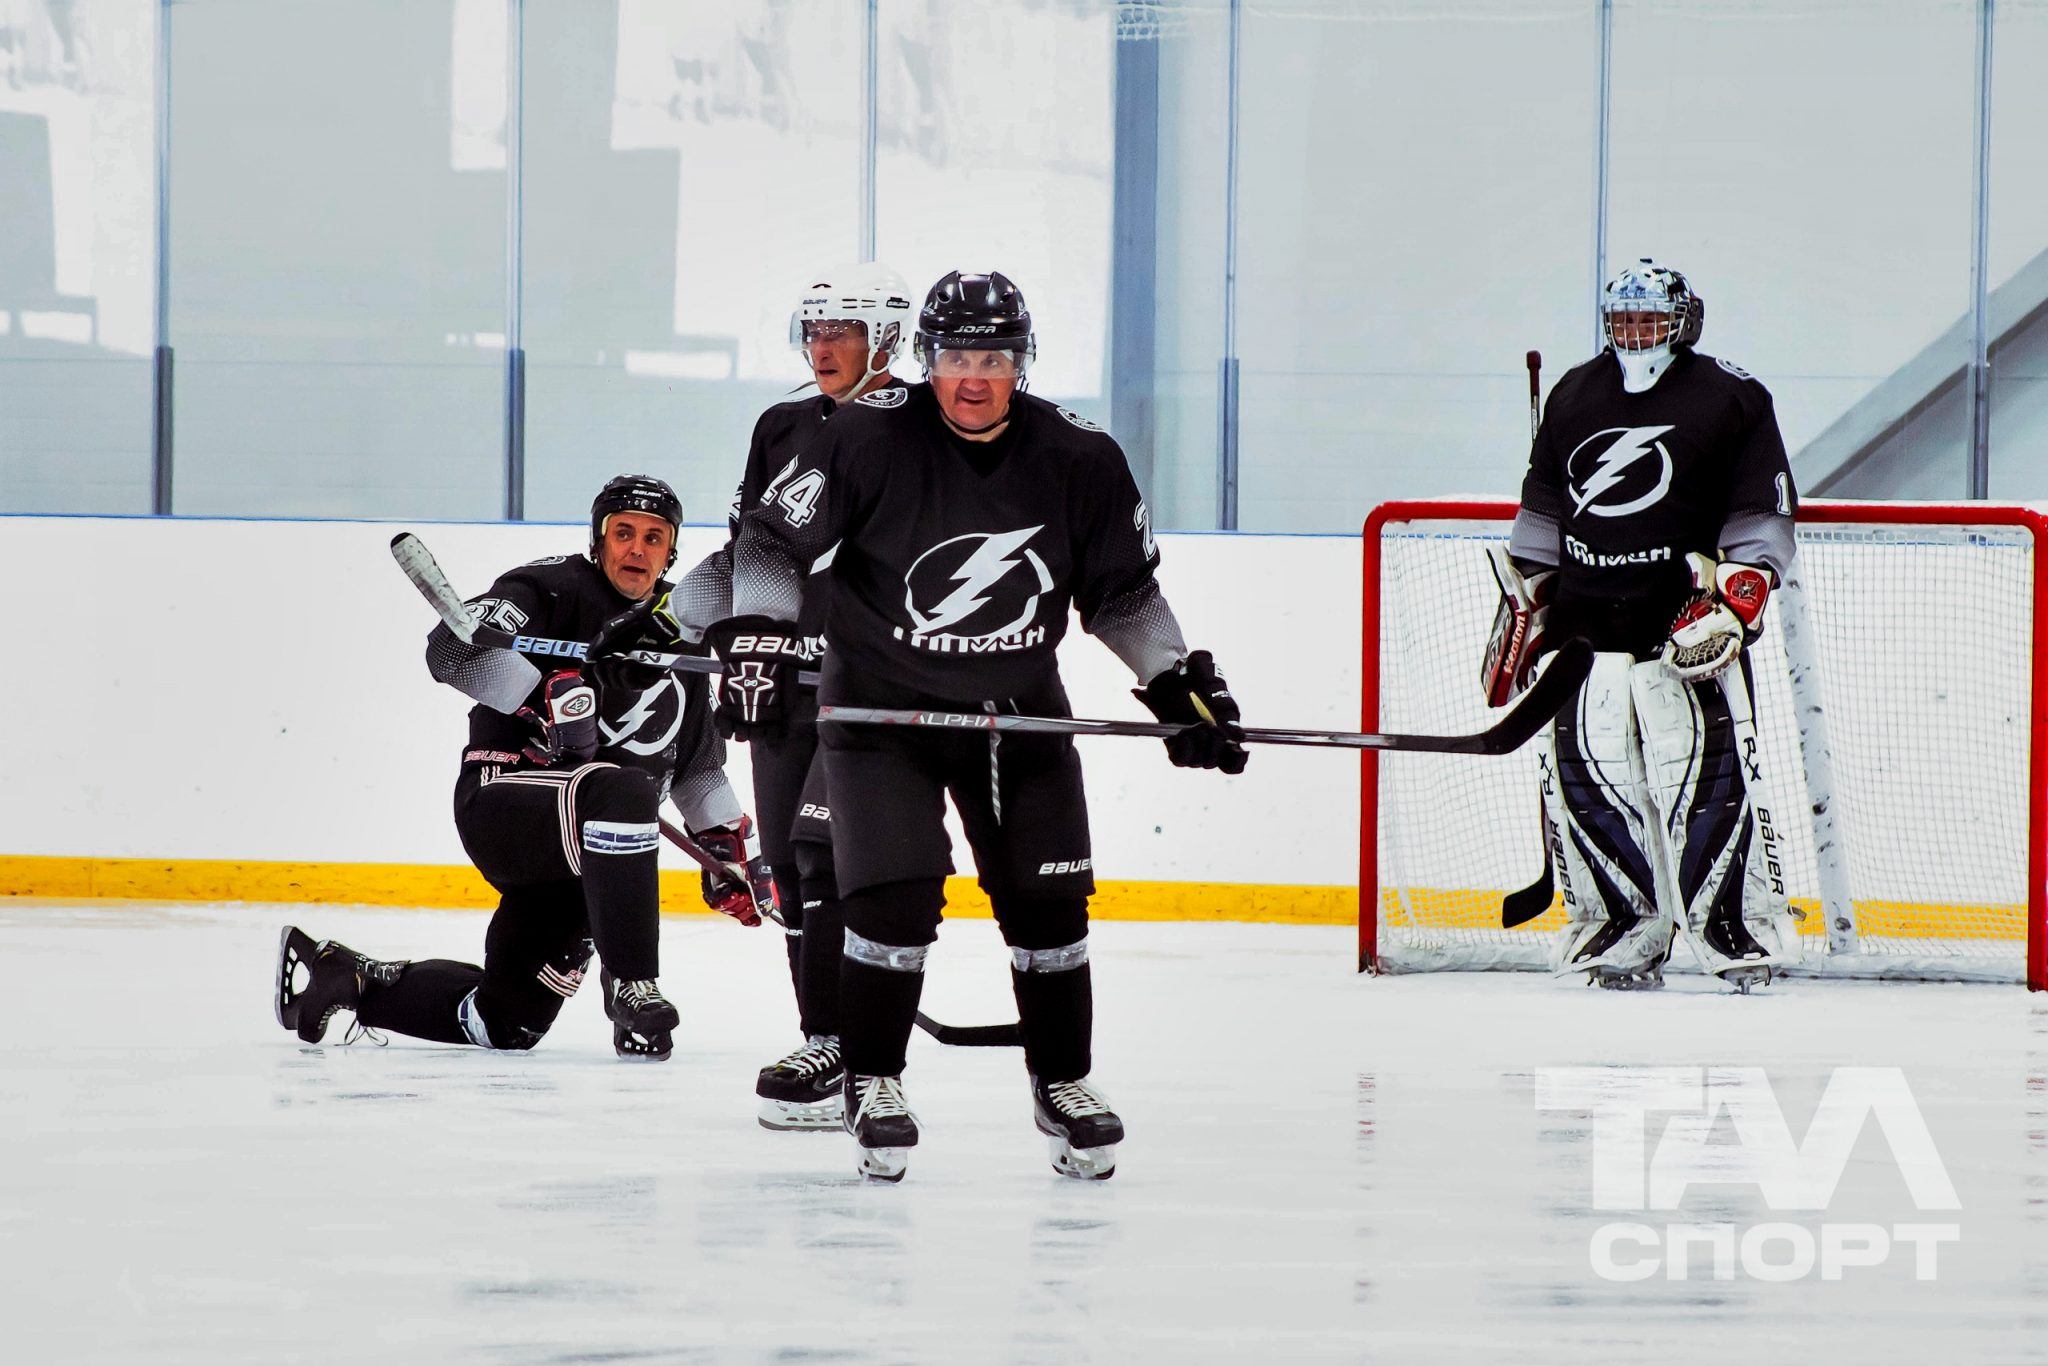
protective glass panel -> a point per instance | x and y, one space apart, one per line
1415 207
338 248
77 243
995 151
2019 252
688 170
1762 188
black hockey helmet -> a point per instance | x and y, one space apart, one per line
636 493
974 313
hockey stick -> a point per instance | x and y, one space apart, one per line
1550 693
1524 905
973 1036
419 565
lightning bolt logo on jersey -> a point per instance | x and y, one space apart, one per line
976 592
1619 471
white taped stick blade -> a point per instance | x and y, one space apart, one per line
419 565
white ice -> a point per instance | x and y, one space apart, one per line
1321 1166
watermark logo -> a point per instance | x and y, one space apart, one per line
1683 1109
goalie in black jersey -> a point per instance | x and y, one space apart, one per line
848 324
557 803
1656 518
968 516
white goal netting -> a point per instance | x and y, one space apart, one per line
1898 737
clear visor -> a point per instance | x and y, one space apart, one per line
960 363
1640 324
803 331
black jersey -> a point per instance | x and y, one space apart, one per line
1622 486
958 561
780 434
664 730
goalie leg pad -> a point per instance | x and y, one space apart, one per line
1724 873
1604 859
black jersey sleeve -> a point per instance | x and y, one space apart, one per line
1116 590
500 679
800 515
1762 502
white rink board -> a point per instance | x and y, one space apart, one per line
220 689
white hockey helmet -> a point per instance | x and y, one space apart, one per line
866 292
1647 312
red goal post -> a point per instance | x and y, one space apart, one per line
1902 706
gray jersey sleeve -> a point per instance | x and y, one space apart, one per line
1140 629
799 518
704 595
701 791
1763 538
500 679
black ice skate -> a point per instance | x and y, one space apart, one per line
642 1019
802 1090
335 977
880 1121
1081 1130
1647 977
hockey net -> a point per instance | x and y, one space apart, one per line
1900 691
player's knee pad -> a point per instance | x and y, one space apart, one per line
894 924
1049 924
516 1014
1604 852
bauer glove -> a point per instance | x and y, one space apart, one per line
735 846
1193 693
760 655
565 721
1723 615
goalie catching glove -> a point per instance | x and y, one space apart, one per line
1518 626
751 889
1194 694
565 722
1724 614
760 655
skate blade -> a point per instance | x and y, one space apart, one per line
1742 979
792 1116
884 1164
638 1048
294 948
1082 1164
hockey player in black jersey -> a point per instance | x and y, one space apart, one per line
848 324
556 802
1656 518
969 517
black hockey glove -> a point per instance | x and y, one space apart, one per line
633 629
760 655
1193 692
735 847
565 723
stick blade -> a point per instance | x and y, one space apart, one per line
1523 905
973 1036
1550 694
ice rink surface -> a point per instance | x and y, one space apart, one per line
1321 1167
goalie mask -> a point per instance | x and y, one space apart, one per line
636 493
868 293
1648 312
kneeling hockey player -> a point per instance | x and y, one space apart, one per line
1656 518
556 803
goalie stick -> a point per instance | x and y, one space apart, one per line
419 565
1553 689
1524 904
